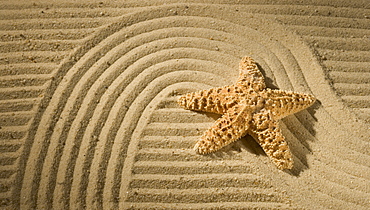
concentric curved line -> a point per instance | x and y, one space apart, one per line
128 93
72 126
348 13
75 128
29 187
289 68
170 64
46 170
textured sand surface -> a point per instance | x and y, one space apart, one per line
88 113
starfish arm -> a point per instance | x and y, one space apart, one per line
217 100
283 103
250 75
266 131
227 129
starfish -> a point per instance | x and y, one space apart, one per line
247 107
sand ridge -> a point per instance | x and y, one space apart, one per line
89 113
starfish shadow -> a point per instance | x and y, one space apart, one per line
300 150
268 81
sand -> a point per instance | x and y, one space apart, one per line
88 113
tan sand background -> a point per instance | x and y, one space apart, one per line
88 114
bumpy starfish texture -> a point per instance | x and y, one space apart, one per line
247 107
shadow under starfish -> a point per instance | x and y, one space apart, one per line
247 107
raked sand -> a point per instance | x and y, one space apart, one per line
88 113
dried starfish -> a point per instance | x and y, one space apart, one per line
247 107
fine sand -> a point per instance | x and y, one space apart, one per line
88 113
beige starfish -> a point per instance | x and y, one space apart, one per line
247 107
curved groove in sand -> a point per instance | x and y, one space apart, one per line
168 66
72 126
126 94
47 169
109 68
75 128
